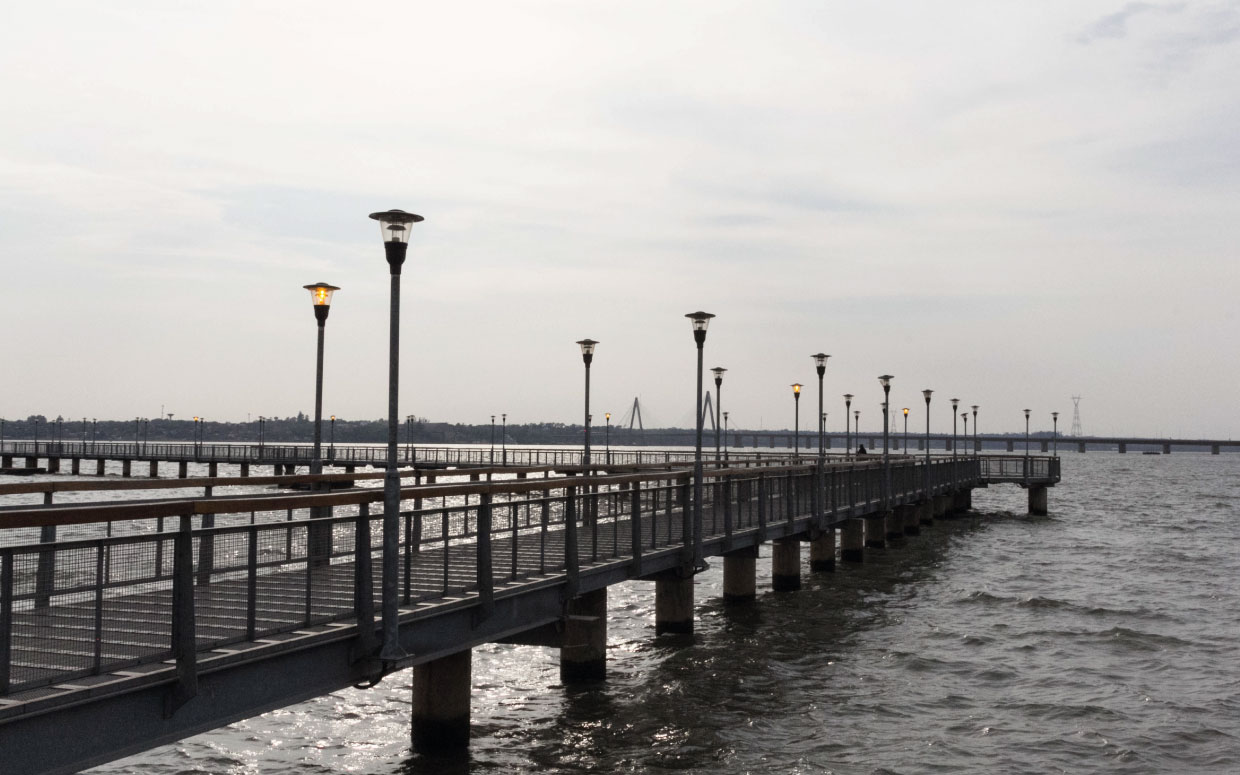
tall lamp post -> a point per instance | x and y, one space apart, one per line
331 444
857 426
906 430
796 422
587 355
976 445
718 372
927 393
848 397
394 227
965 416
955 404
1026 445
503 438
321 298
700 321
820 366
1054 433
725 435
491 458
885 381
607 436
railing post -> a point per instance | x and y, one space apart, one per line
486 578
184 637
251 585
6 619
571 567
688 539
761 505
97 662
635 526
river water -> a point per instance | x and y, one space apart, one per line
1102 638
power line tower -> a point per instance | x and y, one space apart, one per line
1076 417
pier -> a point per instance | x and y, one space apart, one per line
163 617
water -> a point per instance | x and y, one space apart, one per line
1102 638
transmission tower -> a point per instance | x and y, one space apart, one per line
1076 417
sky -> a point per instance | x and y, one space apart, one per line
1008 203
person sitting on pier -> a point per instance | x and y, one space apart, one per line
860 450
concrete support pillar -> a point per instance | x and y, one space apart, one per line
1123 448
1037 499
53 465
921 445
350 469
740 575
1214 449
99 464
926 512
673 604
852 540
154 470
895 526
182 469
1011 445
1166 449
876 531
908 520
441 691
1080 447
940 506
822 552
6 461
213 469
1046 446
583 654
245 469
786 564
75 466
126 467
32 462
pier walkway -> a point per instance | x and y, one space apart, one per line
148 620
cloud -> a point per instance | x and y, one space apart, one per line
1114 26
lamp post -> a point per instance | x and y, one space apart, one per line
700 321
331 444
394 227
857 426
503 438
796 421
906 430
718 372
1026 445
885 381
965 416
94 431
976 446
607 436
926 479
848 397
1054 433
725 435
262 422
321 298
955 403
83 433
587 355
491 458
820 366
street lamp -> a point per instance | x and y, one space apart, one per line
1054 434
321 298
700 321
1026 411
926 479
718 372
885 381
848 397
965 417
503 438
796 423
587 355
820 365
955 403
491 459
906 430
725 435
607 436
331 449
394 227
976 445
857 426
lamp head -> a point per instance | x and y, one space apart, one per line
718 372
394 225
927 393
1054 415
955 403
796 388
906 411
885 381
820 361
1027 412
587 350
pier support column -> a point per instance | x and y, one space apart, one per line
75 466
740 575
583 655
32 462
895 525
907 519
1037 500
926 512
1123 448
852 540
673 604
940 506
126 467
154 470
6 461
1166 449
53 465
183 469
1214 449
876 531
1080 447
786 564
1011 445
441 690
245 469
822 552
99 464
213 469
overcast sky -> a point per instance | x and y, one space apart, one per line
1006 202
